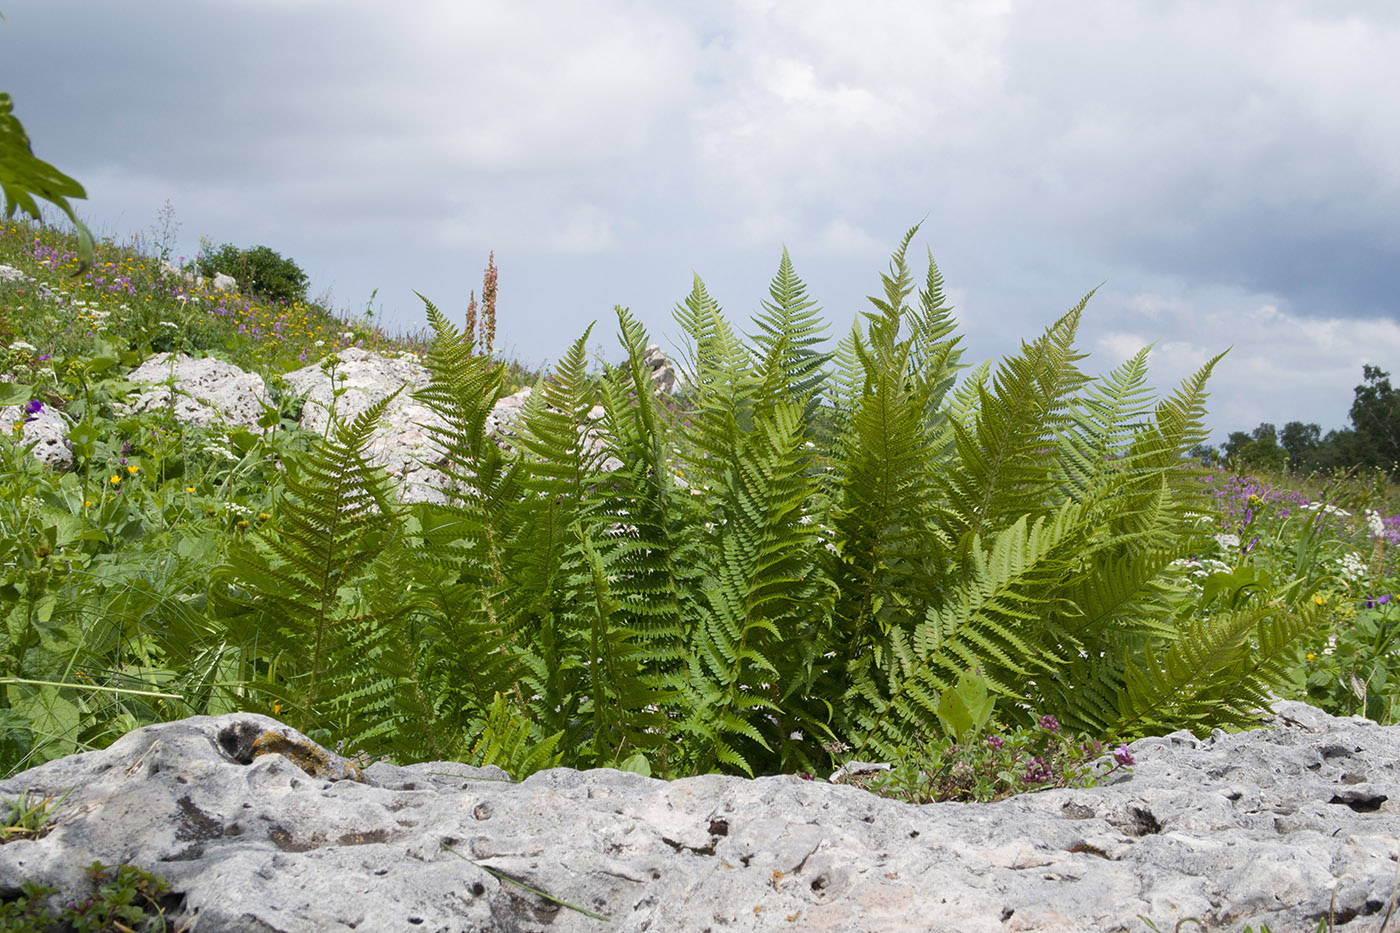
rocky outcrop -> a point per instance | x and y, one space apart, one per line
256 828
46 429
208 391
205 390
403 443
220 282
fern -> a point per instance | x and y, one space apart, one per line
779 558
338 660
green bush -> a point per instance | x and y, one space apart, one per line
258 270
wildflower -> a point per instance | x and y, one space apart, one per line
116 480
1038 772
996 742
1123 756
22 345
87 504
32 410
133 469
243 523
189 489
1311 656
1050 724
1228 542
1375 525
263 516
1320 600
1350 566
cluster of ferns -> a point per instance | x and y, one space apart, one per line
801 550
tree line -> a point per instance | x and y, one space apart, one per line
1372 439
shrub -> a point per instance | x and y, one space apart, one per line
258 270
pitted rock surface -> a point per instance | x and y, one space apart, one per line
259 829
47 431
403 443
207 390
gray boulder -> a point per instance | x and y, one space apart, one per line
403 443
47 430
207 391
258 829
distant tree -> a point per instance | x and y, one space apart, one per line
1257 450
1300 441
1375 417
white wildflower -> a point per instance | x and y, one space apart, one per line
1374 523
21 345
1327 509
320 343
169 324
1351 567
1228 542
349 335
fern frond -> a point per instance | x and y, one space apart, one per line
791 326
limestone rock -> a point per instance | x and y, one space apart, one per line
256 828
221 282
17 277
206 390
403 443
47 430
663 370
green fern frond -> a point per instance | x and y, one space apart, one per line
791 326
1005 456
508 739
337 517
1218 672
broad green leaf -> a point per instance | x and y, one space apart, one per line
23 177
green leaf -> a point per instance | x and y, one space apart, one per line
636 764
12 393
52 716
964 709
23 177
84 437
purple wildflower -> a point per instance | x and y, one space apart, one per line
1050 724
1037 772
1123 756
996 742
32 410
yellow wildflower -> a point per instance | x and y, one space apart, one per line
1311 655
133 469
116 479
189 489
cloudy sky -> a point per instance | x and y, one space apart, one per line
1229 171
